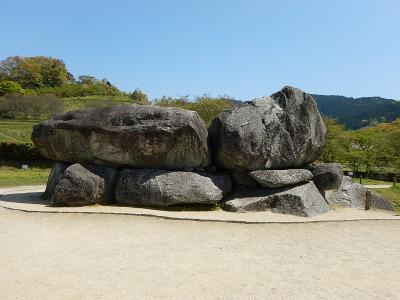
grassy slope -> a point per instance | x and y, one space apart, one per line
16 131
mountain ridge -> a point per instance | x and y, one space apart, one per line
355 113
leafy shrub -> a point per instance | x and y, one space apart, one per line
21 152
139 97
10 87
80 90
207 107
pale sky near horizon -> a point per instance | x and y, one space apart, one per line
241 48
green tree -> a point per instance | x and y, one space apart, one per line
336 145
34 72
34 107
206 106
139 97
85 79
10 87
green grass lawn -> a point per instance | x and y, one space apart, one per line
11 174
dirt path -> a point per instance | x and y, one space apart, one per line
77 256
377 186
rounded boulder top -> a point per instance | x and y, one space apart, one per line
141 136
284 130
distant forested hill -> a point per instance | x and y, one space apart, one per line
355 113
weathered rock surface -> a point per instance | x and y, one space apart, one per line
242 179
378 202
278 132
56 173
160 188
351 194
327 176
109 175
78 187
281 178
141 136
301 200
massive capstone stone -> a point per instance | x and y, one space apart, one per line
282 131
301 200
160 188
140 136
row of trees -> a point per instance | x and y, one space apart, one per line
41 75
206 106
30 107
16 106
372 149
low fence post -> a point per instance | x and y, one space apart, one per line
368 200
360 179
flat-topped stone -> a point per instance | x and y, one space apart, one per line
280 178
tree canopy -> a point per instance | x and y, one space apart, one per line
34 72
370 149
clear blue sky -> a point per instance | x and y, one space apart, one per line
241 48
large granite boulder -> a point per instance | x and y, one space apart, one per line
282 131
109 176
150 187
300 200
351 194
81 185
141 136
327 176
379 202
242 179
78 187
280 178
56 173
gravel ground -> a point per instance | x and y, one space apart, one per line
79 256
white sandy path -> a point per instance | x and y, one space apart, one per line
78 256
378 186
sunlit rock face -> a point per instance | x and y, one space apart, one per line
282 131
141 136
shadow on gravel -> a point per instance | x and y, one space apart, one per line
36 198
29 198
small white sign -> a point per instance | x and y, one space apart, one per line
24 167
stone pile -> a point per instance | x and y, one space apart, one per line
255 156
